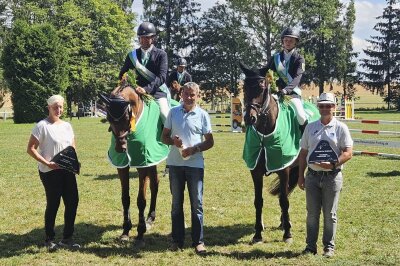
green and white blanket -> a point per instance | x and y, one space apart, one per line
144 147
282 146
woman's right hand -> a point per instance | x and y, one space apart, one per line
53 165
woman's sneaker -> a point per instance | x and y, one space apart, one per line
69 244
51 245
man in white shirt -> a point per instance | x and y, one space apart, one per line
325 146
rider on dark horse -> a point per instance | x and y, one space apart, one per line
179 76
289 65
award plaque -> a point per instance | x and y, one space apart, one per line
68 160
323 153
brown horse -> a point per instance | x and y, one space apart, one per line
261 120
123 106
176 90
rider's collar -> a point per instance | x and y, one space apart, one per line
148 50
287 54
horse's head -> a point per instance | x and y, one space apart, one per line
119 113
176 86
257 95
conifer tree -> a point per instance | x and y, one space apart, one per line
382 67
221 44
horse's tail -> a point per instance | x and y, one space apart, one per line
293 177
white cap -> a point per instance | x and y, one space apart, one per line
326 97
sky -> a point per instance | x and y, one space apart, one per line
366 13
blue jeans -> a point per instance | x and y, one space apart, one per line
178 176
322 192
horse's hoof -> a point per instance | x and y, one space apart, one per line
139 243
256 241
123 238
288 240
149 223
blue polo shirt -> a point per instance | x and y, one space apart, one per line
190 127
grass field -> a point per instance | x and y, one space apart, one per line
368 232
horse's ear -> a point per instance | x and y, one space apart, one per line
104 98
245 68
251 73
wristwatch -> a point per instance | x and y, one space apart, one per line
333 166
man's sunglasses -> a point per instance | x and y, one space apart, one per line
325 106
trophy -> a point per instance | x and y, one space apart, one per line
68 160
323 153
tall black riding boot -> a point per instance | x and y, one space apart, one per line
302 127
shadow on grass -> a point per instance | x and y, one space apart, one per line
387 174
12 245
92 241
256 254
231 235
132 174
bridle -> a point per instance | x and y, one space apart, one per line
118 110
262 109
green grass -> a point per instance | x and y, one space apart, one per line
369 210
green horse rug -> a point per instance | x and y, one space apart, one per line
144 145
282 146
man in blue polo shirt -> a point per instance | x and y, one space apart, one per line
188 130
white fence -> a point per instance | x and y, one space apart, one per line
6 115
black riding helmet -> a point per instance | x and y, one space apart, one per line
181 62
290 32
146 29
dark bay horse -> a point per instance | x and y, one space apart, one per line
269 148
127 109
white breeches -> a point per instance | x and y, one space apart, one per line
298 108
164 108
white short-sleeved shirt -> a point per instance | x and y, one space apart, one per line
336 134
52 138
190 127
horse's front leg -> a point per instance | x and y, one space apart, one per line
141 202
284 203
154 182
258 177
123 174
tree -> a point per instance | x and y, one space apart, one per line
176 22
125 5
320 24
5 17
221 44
343 66
111 36
35 67
266 19
382 68
96 35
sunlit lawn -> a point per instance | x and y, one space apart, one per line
368 232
